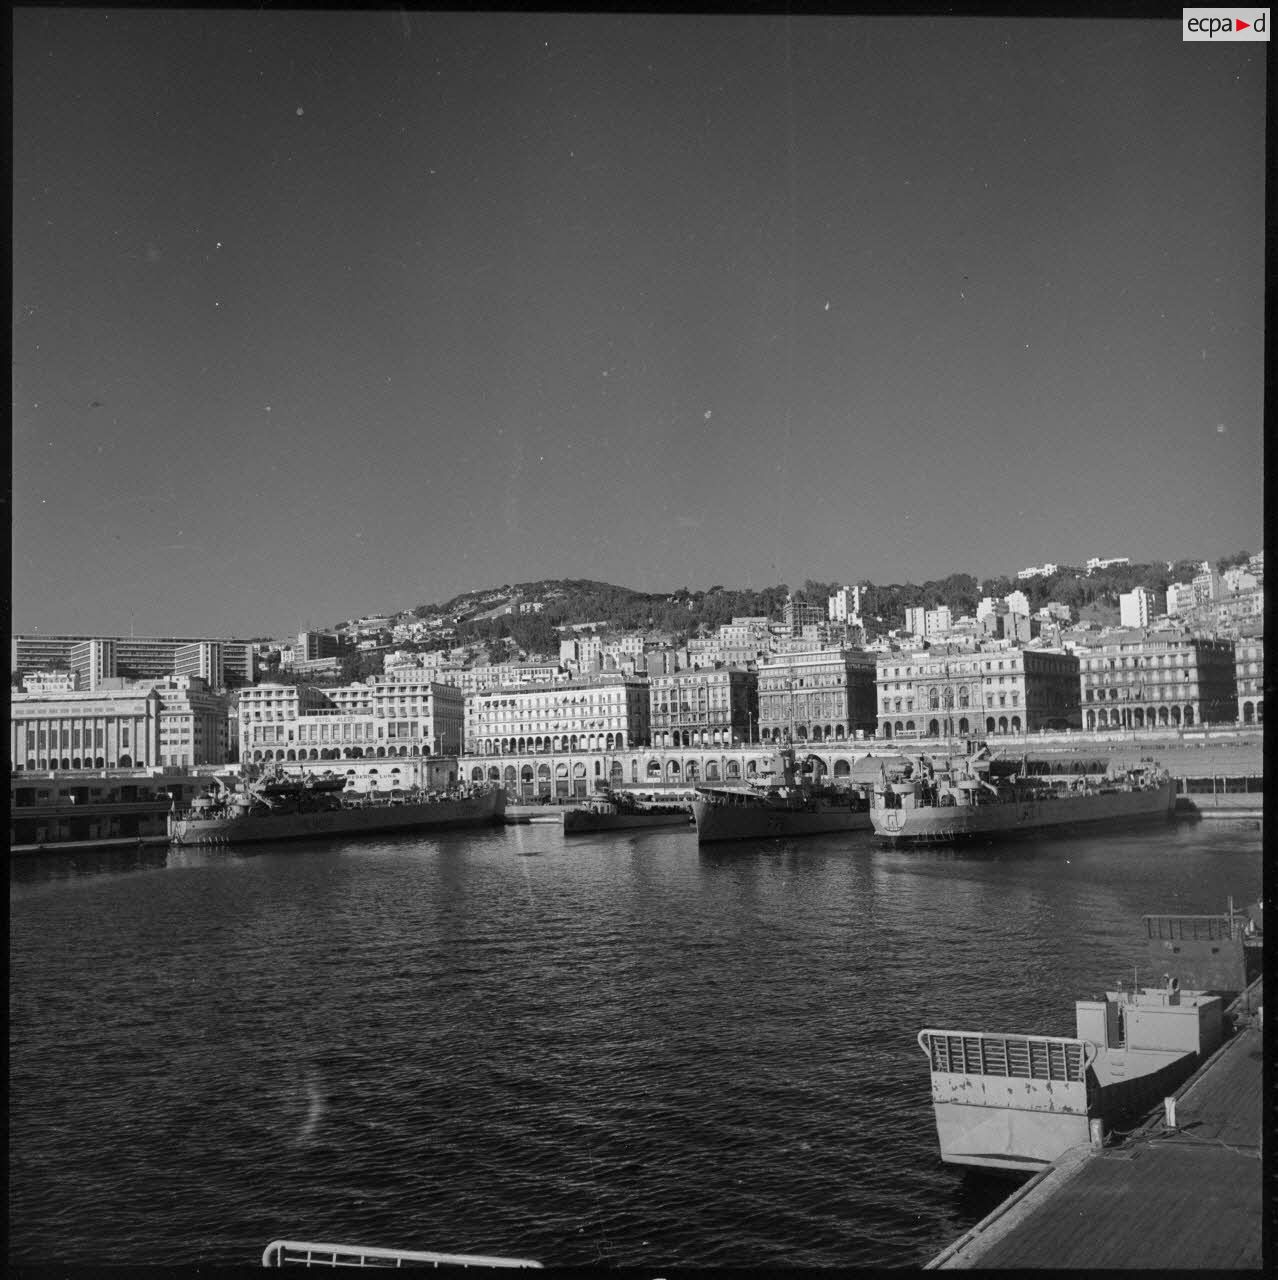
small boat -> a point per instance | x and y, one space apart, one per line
621 811
277 806
941 800
794 802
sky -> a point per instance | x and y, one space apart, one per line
326 314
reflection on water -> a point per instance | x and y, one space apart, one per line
602 1050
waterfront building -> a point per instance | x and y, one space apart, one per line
704 708
602 712
194 723
933 694
816 695
1135 607
1249 676
143 657
130 725
1139 681
373 720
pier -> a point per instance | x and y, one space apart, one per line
1182 1191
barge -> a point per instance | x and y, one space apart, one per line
1019 1102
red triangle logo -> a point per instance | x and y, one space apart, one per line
1240 25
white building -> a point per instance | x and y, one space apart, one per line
93 661
604 712
1135 607
50 681
294 723
845 605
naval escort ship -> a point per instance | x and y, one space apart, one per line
940 800
275 806
795 801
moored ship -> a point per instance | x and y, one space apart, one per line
940 800
288 808
620 811
1019 1102
795 802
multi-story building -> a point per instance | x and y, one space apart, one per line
845 605
816 695
381 718
1249 677
1135 607
128 725
143 657
50 681
797 614
1017 602
1180 599
194 725
928 623
314 645
93 661
990 691
1036 571
1163 679
1206 584
604 712
1097 563
704 708
1238 614
203 659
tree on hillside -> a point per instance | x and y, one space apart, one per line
1228 562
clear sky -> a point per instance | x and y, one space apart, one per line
324 314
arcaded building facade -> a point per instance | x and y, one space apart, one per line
600 713
707 707
816 695
943 695
1155 681
1249 669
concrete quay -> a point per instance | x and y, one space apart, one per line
1186 1195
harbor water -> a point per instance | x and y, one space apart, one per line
606 1050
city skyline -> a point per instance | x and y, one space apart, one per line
318 315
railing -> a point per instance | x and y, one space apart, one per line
281 1253
1193 928
1023 1057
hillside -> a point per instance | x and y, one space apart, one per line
480 617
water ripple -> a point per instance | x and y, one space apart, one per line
623 1053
